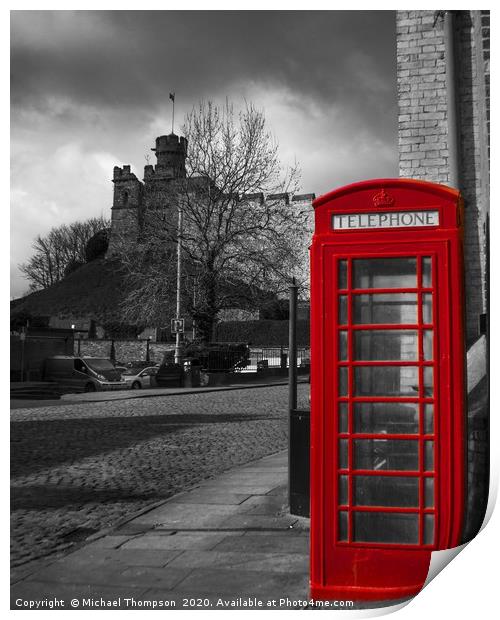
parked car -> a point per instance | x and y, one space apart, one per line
170 375
138 378
83 374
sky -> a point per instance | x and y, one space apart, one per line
90 90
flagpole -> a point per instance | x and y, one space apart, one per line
173 110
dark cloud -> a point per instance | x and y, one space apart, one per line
132 59
90 89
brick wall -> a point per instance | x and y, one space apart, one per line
423 154
423 128
423 147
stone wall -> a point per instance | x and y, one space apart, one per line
423 128
125 350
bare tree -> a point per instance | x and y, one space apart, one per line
237 247
59 251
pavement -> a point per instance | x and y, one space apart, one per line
94 397
79 468
228 543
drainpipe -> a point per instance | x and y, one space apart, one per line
451 99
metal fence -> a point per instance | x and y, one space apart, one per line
277 357
253 359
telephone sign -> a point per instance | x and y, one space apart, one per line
387 386
397 219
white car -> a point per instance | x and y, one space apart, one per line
138 378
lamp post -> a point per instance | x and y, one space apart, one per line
292 348
23 343
178 341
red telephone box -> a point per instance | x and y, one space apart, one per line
387 386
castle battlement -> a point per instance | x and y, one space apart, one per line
123 174
171 143
284 198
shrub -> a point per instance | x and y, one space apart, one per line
97 245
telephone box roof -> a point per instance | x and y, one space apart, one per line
442 191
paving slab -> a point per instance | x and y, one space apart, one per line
208 497
281 490
121 557
234 487
181 540
296 531
187 516
109 542
244 582
263 468
112 574
268 542
272 477
263 505
262 522
274 562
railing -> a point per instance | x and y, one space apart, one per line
254 360
277 357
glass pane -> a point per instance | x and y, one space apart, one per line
386 344
343 520
386 418
343 496
386 491
384 273
342 274
428 344
342 345
428 529
386 380
429 492
343 381
428 418
427 307
386 454
343 453
343 424
385 527
428 381
390 308
342 309
429 456
427 272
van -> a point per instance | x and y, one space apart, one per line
83 374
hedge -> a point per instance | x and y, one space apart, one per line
264 333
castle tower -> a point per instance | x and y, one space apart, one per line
171 154
163 181
127 200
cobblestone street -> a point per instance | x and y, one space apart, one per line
79 468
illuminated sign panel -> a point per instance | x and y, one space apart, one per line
394 219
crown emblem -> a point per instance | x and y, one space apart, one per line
383 199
